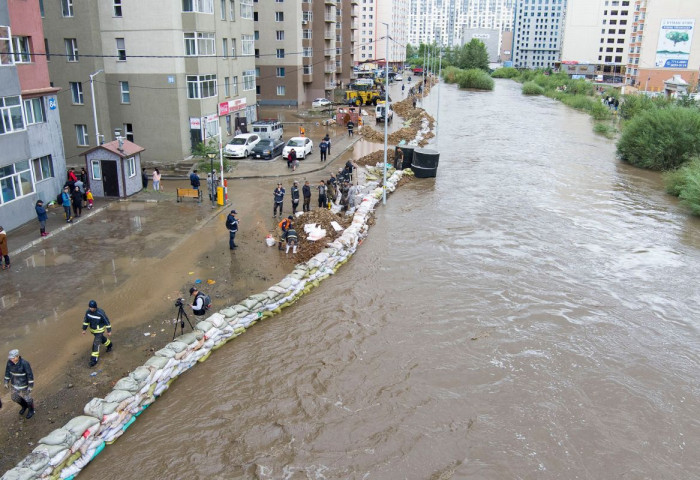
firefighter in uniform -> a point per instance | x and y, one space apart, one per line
98 322
18 372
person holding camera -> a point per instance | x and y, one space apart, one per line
97 321
19 374
200 305
232 226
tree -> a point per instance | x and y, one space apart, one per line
473 55
677 37
411 52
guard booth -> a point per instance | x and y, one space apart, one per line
344 114
114 169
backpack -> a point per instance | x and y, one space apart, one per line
59 198
207 301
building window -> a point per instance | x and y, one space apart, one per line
117 8
247 45
233 48
246 9
198 6
228 124
308 52
128 131
125 93
46 49
280 89
96 170
279 34
280 71
43 168
257 72
201 86
5 46
234 86
41 8
132 166
34 110
81 134
21 49
76 89
11 113
121 50
200 44
223 9
67 8
224 47
280 53
279 16
248 80
71 49
232 11
15 181
227 87
306 34
308 69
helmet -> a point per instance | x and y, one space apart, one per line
92 304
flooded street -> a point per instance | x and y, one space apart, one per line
530 314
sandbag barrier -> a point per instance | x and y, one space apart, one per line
63 453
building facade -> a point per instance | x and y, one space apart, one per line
393 13
491 38
597 33
537 33
663 45
165 77
32 165
304 49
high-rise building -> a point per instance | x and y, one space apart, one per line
166 75
303 49
372 15
444 21
32 165
663 45
537 33
596 32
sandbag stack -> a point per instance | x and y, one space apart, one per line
65 451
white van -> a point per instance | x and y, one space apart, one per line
267 129
381 114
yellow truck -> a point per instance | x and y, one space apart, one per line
362 94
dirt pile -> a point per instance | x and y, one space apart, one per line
376 157
323 218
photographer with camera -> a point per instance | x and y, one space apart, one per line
201 303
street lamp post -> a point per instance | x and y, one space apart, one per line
94 109
386 107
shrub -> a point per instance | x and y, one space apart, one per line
633 105
531 88
684 183
450 74
505 72
599 111
604 129
476 79
661 139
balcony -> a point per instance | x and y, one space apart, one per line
354 25
330 85
329 2
329 68
329 18
308 77
329 35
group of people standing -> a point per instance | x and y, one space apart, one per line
156 179
76 191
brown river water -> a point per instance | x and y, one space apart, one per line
530 313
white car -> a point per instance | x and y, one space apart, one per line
301 145
241 145
320 103
398 78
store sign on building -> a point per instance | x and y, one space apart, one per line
226 108
675 38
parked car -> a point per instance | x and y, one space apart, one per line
268 149
267 129
398 78
381 113
241 145
302 145
320 103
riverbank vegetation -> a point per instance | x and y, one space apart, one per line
471 78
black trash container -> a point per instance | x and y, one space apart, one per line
407 157
425 162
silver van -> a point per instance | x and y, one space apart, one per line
267 129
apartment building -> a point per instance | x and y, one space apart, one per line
303 49
167 78
393 13
444 21
597 33
537 33
32 165
663 49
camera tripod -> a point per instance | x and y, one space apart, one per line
181 317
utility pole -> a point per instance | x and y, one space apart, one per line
94 109
386 107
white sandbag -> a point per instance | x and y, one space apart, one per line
78 444
228 312
156 362
176 346
118 396
165 353
61 437
189 338
141 374
217 320
128 384
260 297
98 408
19 473
250 303
72 470
80 424
35 461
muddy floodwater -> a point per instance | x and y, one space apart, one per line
532 313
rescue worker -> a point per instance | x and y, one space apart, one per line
97 320
282 228
279 199
232 226
292 239
18 372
